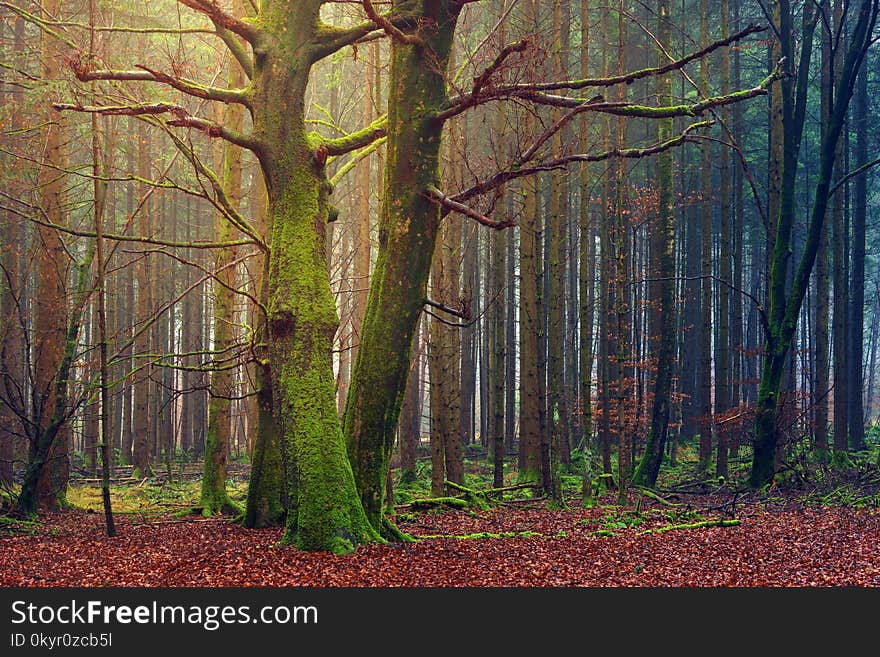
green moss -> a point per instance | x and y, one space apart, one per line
695 525
325 510
434 502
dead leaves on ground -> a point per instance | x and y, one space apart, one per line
809 546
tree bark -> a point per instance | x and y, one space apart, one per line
662 329
408 227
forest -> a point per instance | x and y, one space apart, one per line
439 293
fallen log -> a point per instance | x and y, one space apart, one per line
694 525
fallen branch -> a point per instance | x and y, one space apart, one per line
695 525
654 496
435 502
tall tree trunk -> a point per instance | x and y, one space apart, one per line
707 423
556 225
622 310
470 292
723 350
784 308
663 318
497 270
443 359
586 279
408 226
45 483
214 496
529 324
839 282
857 281
143 420
821 348
409 430
736 300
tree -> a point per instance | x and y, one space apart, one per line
214 497
784 305
663 287
284 41
413 205
46 474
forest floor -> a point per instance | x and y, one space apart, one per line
768 541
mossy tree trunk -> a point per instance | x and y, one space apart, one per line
324 511
784 308
285 40
408 226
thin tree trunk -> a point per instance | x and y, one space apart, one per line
663 319
705 366
857 283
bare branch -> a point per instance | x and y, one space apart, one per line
484 77
187 86
536 92
853 174
632 76
394 32
452 311
213 10
182 119
518 171
434 194
129 238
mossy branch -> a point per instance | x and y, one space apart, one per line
44 25
721 522
356 158
654 496
145 74
435 502
357 139
237 49
330 39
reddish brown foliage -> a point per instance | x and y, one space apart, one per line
790 547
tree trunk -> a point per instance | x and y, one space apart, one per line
409 431
529 327
722 349
443 359
47 469
214 496
662 330
784 309
857 281
707 423
408 227
556 231
143 420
